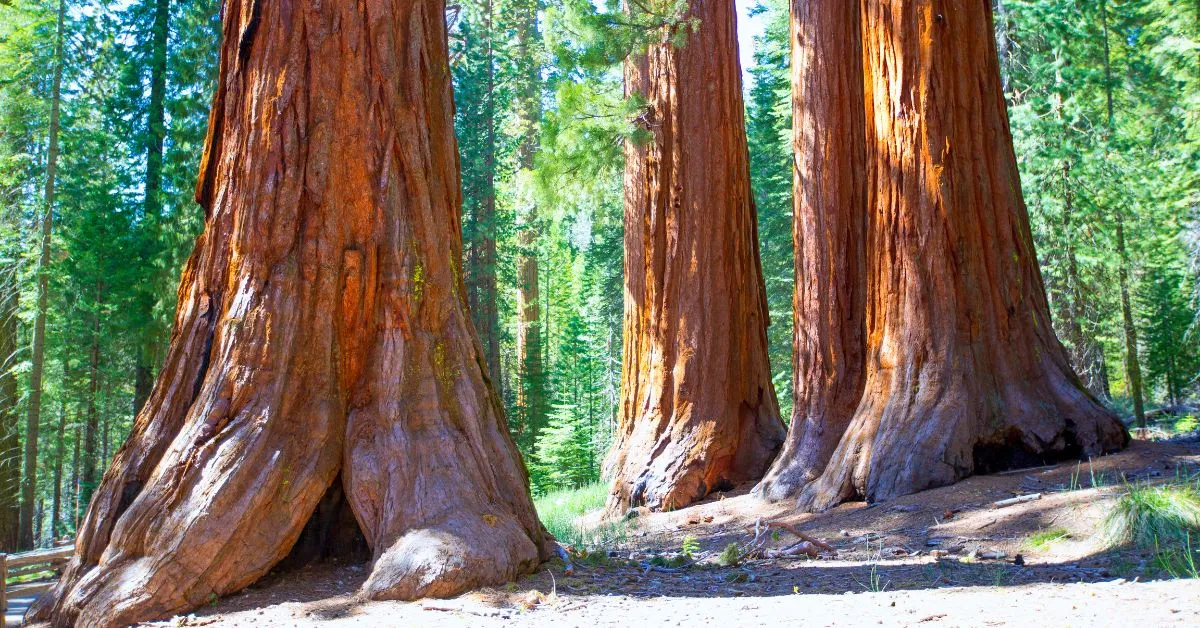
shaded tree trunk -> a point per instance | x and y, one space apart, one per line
698 411
481 259
147 350
1133 367
10 442
531 394
91 431
324 298
963 371
829 228
1086 353
1087 356
56 507
38 351
76 505
39 527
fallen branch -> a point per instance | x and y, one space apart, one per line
811 539
681 568
460 608
793 551
1026 470
1017 500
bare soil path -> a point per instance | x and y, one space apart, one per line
945 557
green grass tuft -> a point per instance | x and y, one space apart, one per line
1163 519
1150 516
560 512
1042 540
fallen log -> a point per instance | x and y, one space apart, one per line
50 556
1021 499
30 562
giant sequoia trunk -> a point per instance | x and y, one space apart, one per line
698 411
963 371
322 330
829 228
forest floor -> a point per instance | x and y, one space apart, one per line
943 557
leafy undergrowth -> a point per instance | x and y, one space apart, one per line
561 512
30 577
1164 519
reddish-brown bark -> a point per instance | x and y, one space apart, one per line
829 231
963 371
698 411
322 327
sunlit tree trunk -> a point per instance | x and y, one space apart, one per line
531 394
38 352
322 332
963 371
147 351
481 254
829 229
698 411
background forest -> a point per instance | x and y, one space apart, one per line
103 111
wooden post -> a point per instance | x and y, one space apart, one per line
3 586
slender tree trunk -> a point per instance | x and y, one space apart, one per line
147 351
40 523
1003 43
324 299
484 295
105 423
10 442
963 372
76 504
1133 367
38 352
698 409
1172 389
1087 355
56 508
91 460
829 228
532 390
1073 312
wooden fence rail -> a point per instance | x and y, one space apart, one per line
30 562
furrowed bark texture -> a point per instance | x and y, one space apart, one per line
963 371
698 411
829 229
322 327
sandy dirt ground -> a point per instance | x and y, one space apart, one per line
1116 603
945 557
